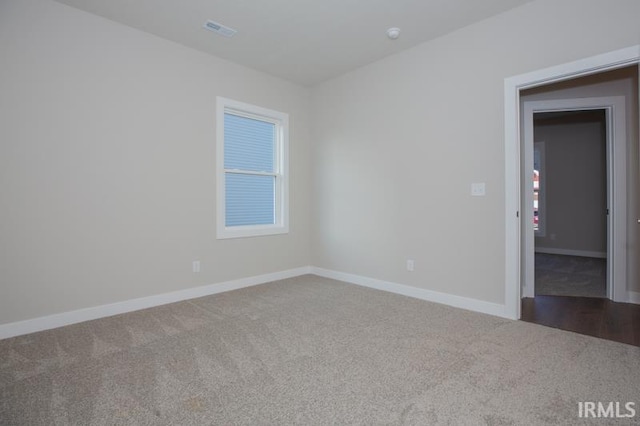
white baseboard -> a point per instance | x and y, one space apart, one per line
418 293
569 252
81 315
634 297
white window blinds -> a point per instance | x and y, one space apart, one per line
252 158
250 171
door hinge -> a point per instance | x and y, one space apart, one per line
517 214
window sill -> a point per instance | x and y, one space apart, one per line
250 231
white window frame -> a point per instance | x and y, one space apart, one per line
281 172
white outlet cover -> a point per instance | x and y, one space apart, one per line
478 189
410 265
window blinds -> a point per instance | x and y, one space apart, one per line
250 170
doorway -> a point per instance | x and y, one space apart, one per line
579 206
570 203
516 215
597 130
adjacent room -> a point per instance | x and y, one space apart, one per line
317 212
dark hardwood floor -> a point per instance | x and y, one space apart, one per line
597 317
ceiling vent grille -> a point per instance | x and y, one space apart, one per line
219 29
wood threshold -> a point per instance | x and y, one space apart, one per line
592 316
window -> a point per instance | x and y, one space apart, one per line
539 178
252 181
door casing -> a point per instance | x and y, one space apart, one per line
616 129
512 87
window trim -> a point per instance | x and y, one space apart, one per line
281 121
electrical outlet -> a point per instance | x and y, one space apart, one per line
410 265
196 266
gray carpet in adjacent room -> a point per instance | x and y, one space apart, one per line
561 275
309 351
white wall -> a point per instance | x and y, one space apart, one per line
398 143
575 178
107 179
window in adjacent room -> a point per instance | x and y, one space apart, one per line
252 181
539 178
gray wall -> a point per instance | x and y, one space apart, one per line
398 143
574 182
107 164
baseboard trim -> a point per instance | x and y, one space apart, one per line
633 297
87 314
569 252
418 293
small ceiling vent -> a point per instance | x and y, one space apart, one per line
219 29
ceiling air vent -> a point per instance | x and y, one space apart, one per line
219 29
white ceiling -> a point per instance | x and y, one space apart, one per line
304 41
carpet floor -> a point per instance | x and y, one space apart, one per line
560 275
309 351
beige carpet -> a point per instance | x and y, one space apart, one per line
309 351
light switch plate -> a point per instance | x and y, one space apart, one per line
478 189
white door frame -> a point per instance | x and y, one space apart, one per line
616 137
512 87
